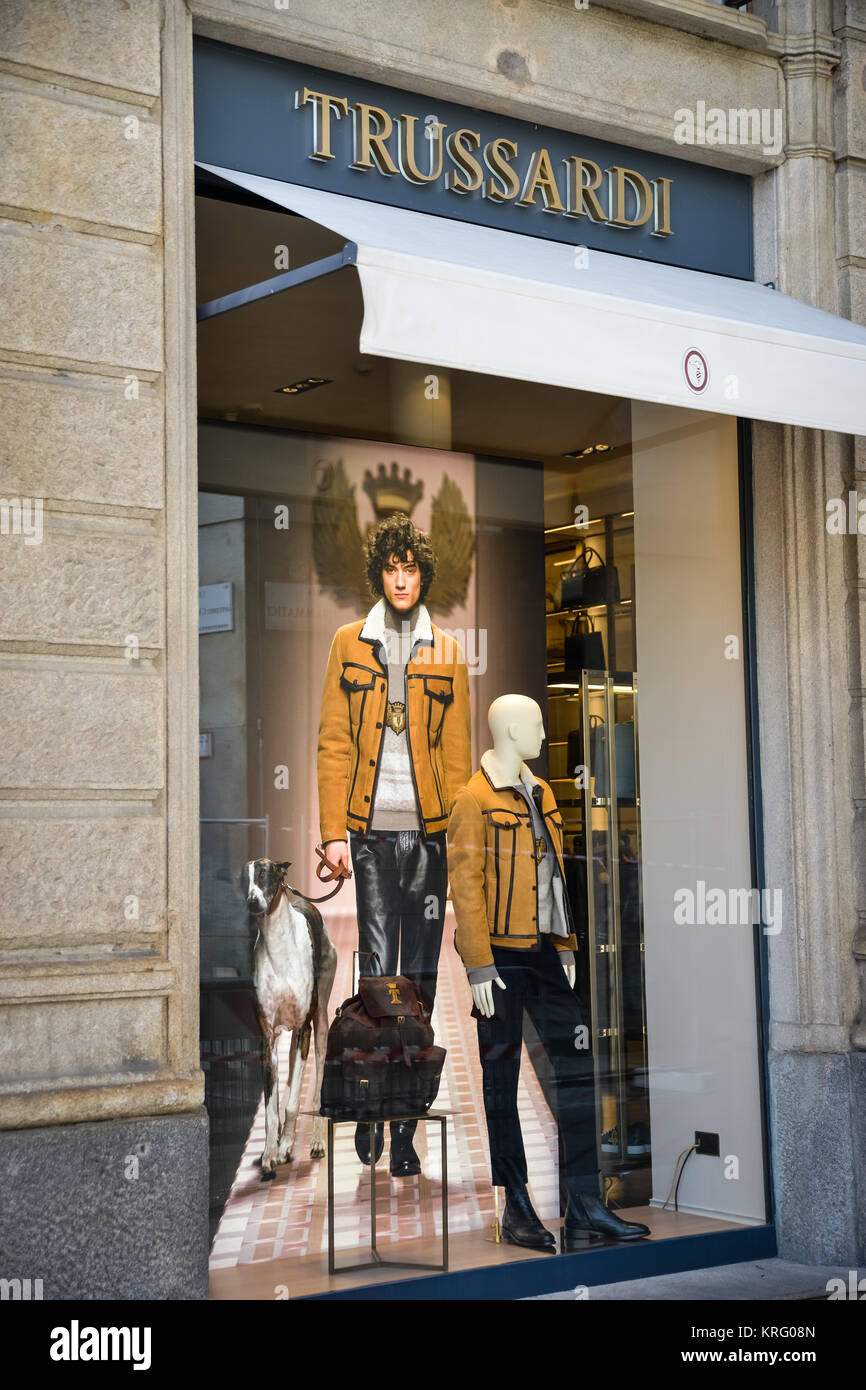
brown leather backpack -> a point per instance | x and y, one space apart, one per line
381 1063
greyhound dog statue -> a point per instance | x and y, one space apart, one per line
293 973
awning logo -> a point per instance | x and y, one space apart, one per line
696 371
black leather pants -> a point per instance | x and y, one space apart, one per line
535 981
401 878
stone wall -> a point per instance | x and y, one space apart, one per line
98 773
809 613
97 978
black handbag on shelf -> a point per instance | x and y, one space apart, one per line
575 751
585 585
623 744
598 755
584 647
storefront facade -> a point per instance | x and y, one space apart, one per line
100 388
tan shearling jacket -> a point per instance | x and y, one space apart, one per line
493 871
352 724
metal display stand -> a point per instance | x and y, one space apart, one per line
377 1262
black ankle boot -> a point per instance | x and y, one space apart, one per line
521 1226
362 1142
587 1218
405 1163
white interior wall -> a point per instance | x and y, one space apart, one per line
700 980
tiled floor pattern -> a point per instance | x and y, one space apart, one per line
287 1216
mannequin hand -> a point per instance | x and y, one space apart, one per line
337 854
483 996
570 973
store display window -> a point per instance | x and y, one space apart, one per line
488 636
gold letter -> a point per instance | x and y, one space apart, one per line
322 104
496 156
618 177
662 222
406 151
370 148
466 162
540 174
578 192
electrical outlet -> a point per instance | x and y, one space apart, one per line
707 1143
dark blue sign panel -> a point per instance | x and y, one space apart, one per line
285 120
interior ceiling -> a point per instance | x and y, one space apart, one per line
245 356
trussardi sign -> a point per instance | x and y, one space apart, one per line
359 138
503 170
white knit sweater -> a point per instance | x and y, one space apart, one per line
395 806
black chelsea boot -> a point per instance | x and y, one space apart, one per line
405 1163
521 1226
588 1218
362 1142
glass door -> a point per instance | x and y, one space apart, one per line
592 694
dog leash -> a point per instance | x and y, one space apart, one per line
326 872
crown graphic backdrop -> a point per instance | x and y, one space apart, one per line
338 541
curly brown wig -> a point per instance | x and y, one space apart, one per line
397 535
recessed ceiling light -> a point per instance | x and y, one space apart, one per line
308 383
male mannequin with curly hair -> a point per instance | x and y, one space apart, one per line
394 751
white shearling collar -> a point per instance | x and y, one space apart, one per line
374 625
497 778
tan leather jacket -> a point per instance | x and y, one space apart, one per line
493 871
352 723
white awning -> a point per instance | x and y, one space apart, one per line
455 294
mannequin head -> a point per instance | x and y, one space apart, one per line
517 727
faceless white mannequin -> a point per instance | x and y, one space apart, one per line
517 728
